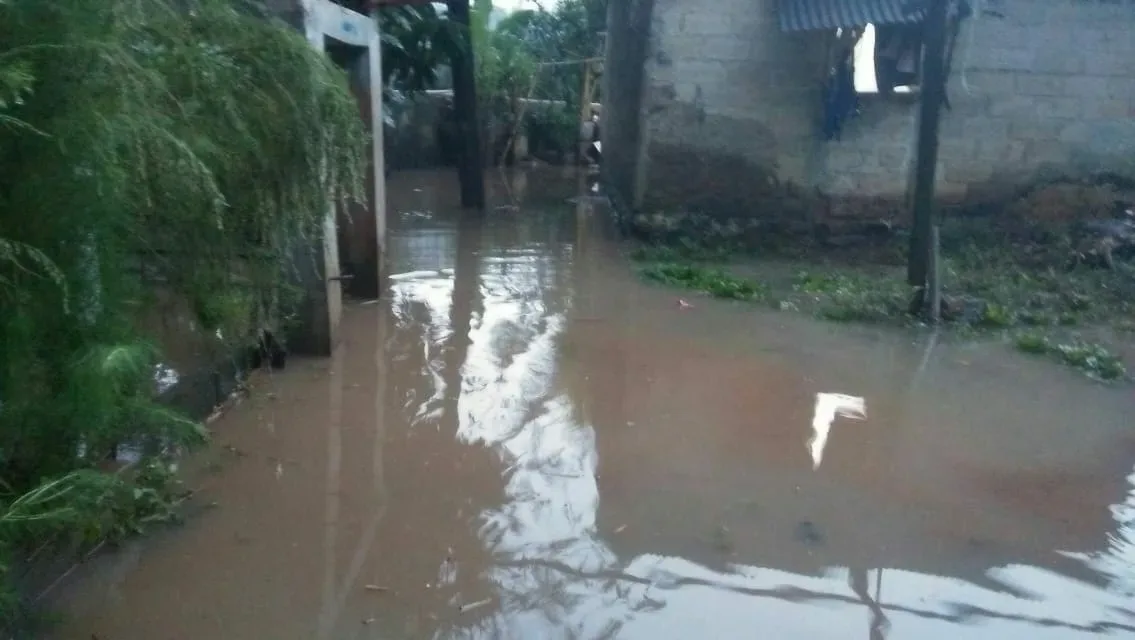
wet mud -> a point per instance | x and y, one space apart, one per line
522 440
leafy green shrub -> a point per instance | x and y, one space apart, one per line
189 146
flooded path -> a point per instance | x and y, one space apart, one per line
524 441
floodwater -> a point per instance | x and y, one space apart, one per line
521 440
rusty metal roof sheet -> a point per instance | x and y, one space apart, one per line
809 15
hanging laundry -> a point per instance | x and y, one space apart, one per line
841 101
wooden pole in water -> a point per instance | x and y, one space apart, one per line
934 281
470 170
926 167
584 111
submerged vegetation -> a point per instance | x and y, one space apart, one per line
178 147
1029 283
1094 359
716 282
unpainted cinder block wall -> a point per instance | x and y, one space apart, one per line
705 101
1035 85
624 80
730 105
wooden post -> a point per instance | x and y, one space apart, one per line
378 142
584 111
934 279
470 171
926 167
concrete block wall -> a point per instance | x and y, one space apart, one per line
1035 85
624 81
730 104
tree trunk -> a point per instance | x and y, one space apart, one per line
926 168
470 167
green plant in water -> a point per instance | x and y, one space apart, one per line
849 298
1093 359
996 315
715 282
822 283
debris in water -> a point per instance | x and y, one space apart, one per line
722 539
368 621
474 605
233 450
682 304
808 533
621 528
375 587
447 574
828 406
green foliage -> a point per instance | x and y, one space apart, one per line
511 63
537 54
79 509
1017 294
417 41
848 296
568 31
551 127
1093 359
505 72
187 146
715 282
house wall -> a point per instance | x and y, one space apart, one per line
728 101
731 104
624 84
1035 84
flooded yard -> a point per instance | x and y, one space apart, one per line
523 440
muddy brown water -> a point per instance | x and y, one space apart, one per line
522 440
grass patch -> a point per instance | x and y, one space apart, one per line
1091 358
850 296
687 251
1017 294
989 289
716 282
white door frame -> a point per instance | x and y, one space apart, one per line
324 19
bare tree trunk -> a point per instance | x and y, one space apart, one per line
470 168
926 168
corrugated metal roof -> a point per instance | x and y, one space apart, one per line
808 15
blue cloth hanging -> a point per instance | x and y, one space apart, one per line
841 102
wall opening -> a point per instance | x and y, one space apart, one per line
901 55
356 222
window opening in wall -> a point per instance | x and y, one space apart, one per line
887 60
